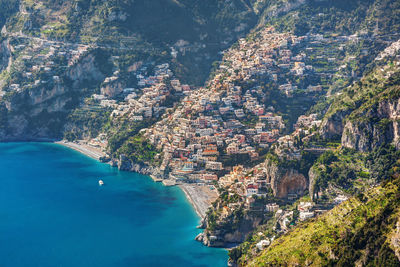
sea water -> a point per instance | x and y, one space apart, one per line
54 213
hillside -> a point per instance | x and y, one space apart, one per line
286 108
251 193
362 230
128 39
189 27
71 47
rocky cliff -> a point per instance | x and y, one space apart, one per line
5 55
40 112
332 126
312 176
284 180
125 164
229 229
374 127
395 239
86 70
112 89
366 114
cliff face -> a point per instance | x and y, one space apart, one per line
85 70
125 164
230 229
283 180
366 114
5 55
223 238
374 127
395 239
284 7
332 127
112 89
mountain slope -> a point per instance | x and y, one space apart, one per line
362 230
126 76
198 30
359 230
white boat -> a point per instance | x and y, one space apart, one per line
101 182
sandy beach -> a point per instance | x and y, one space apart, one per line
200 196
90 151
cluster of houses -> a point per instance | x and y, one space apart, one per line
147 100
228 117
222 120
41 62
290 146
390 51
214 125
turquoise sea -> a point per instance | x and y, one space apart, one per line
54 213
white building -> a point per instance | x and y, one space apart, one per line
304 215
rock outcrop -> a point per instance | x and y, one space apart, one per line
374 127
395 240
284 181
5 55
230 230
332 126
85 70
112 89
125 164
312 177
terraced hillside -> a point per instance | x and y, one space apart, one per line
285 107
362 230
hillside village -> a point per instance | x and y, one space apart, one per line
224 121
217 135
279 119
39 62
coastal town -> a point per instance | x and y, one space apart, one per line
224 121
215 138
200 133
215 130
218 135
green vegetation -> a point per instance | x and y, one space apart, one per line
125 139
138 150
369 91
360 228
87 120
344 169
340 16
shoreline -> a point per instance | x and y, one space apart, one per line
200 197
192 202
84 149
